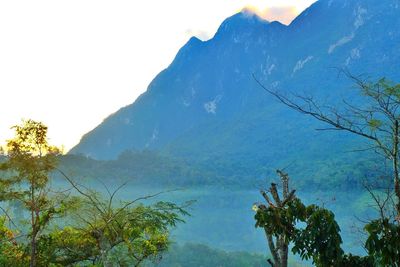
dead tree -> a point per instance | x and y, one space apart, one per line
278 245
377 120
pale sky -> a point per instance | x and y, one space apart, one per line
72 63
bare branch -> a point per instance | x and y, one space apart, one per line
8 216
275 195
289 198
95 202
113 194
314 111
264 194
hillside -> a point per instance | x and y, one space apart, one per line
207 109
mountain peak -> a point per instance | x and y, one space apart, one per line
208 101
245 20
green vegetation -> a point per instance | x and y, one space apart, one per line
315 234
30 160
76 226
152 168
202 255
317 238
313 230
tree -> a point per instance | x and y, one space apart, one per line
123 233
137 234
30 159
376 120
279 246
106 232
319 240
98 229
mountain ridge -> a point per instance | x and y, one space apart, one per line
206 106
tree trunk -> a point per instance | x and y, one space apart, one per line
273 250
104 249
279 249
34 230
285 252
395 167
33 249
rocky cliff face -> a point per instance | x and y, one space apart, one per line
206 105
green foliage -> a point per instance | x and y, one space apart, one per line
98 231
29 161
356 261
383 242
376 120
202 255
281 221
142 167
103 232
374 124
11 253
150 168
381 90
320 239
66 246
315 235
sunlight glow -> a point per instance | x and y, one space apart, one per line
284 15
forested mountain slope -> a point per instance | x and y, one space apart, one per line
207 109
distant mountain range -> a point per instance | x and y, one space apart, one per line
207 109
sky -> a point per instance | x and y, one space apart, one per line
70 64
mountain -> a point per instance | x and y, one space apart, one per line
207 109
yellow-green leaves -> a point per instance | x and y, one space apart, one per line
11 253
374 124
97 232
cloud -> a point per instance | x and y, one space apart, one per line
284 15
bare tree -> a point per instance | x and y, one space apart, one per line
377 120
